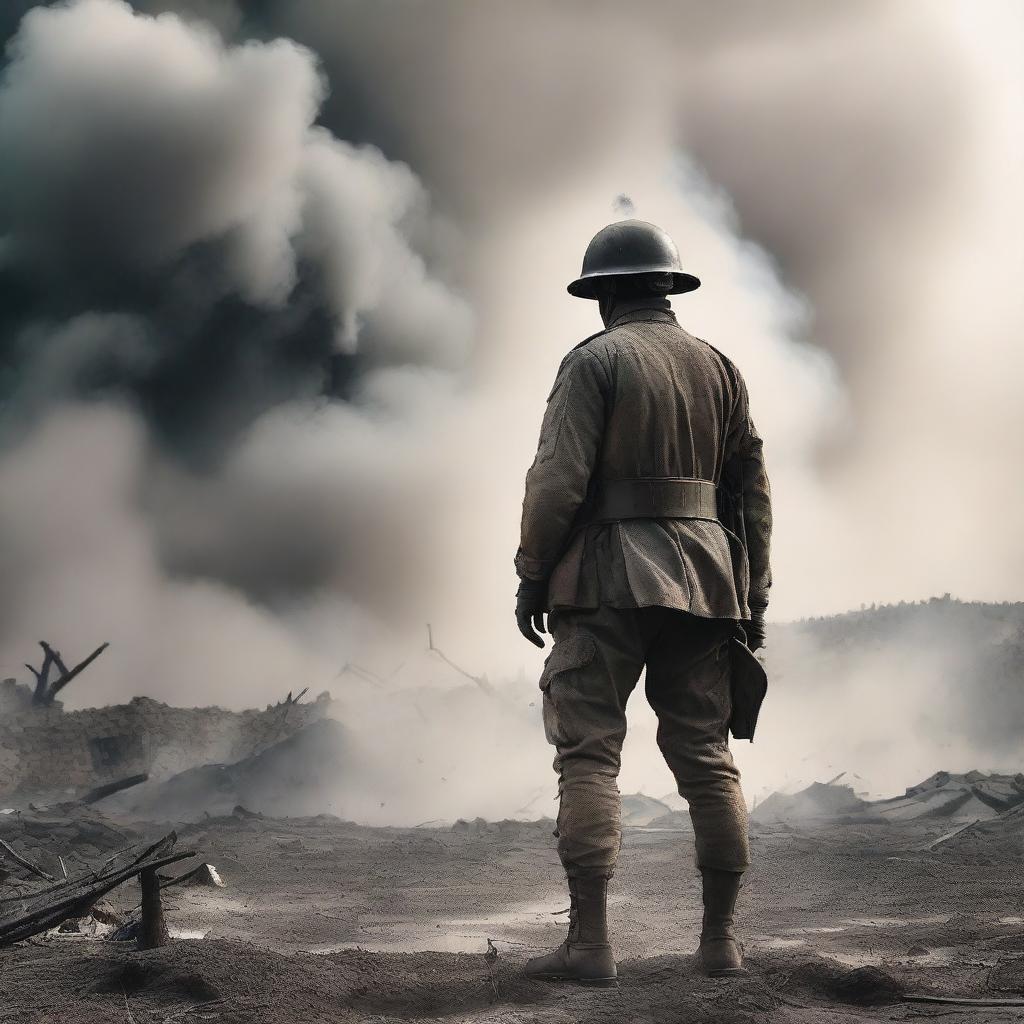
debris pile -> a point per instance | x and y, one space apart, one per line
48 754
968 797
295 777
56 840
989 841
973 796
818 800
42 902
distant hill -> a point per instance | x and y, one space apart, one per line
880 624
954 669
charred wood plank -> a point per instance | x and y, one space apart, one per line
109 788
60 683
55 657
39 695
152 927
158 849
74 901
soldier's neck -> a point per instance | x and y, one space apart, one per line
610 312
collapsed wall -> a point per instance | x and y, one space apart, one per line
46 752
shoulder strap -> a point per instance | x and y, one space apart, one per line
587 341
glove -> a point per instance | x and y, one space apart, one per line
754 630
531 598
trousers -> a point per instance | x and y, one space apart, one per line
592 669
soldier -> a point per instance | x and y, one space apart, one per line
646 451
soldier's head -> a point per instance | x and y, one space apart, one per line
630 260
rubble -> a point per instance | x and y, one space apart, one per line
965 798
294 777
999 837
819 800
972 796
48 754
27 913
79 835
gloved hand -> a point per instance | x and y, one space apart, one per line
754 630
531 598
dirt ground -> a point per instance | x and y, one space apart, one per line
322 920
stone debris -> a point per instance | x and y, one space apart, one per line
294 777
972 796
819 800
961 799
990 840
48 754
43 836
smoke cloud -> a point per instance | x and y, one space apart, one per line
282 292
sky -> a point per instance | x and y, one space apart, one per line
282 292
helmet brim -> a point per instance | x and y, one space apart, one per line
586 287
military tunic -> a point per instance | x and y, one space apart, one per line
645 399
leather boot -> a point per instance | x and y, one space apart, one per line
720 951
586 955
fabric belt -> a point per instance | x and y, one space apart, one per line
655 498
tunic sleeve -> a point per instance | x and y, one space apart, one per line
556 484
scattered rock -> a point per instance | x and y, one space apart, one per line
476 826
819 800
639 810
1007 976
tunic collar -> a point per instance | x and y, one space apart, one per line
634 310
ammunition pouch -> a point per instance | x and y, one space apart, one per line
748 685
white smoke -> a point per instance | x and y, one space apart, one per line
157 170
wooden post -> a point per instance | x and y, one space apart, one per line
152 927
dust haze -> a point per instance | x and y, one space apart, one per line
283 293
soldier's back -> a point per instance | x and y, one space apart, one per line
671 398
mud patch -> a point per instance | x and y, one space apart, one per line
860 986
1007 976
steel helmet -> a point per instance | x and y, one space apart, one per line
631 247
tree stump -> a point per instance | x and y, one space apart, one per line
153 927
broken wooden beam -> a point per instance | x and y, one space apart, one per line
152 926
42 674
109 788
40 911
45 692
58 684
480 681
72 901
